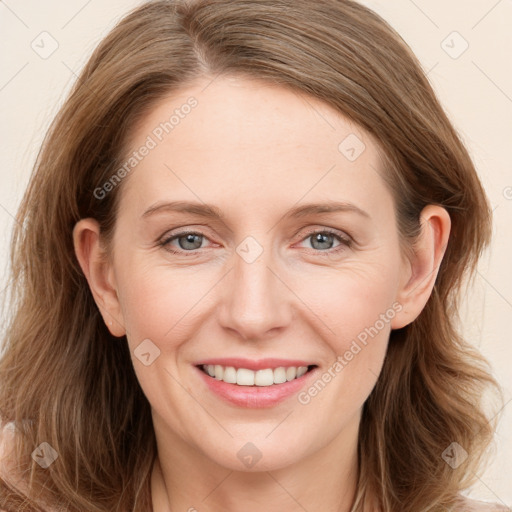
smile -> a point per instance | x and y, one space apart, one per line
247 377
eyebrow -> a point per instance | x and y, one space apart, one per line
212 212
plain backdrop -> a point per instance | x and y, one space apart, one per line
465 48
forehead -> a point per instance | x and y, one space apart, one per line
238 139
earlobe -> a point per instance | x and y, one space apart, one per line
422 267
98 272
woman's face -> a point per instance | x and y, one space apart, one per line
243 273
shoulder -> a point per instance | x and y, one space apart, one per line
468 505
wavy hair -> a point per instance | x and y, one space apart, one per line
65 380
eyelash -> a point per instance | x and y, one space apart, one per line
345 242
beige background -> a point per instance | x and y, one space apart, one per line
475 87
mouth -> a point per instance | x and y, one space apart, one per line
251 383
264 377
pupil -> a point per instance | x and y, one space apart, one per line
322 238
189 239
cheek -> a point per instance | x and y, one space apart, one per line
352 300
358 307
160 302
358 313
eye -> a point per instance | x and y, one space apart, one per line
188 241
322 240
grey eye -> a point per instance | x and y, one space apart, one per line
322 241
191 241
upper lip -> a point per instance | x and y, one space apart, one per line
251 364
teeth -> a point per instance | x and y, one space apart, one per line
245 377
291 373
264 377
279 375
230 375
301 370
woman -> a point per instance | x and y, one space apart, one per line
236 272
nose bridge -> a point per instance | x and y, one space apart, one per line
256 300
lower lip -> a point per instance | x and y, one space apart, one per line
255 396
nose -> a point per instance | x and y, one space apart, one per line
257 304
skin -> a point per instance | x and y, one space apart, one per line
255 150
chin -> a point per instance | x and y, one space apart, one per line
254 457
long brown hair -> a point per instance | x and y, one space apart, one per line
65 380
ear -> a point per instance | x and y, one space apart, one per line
420 270
99 273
